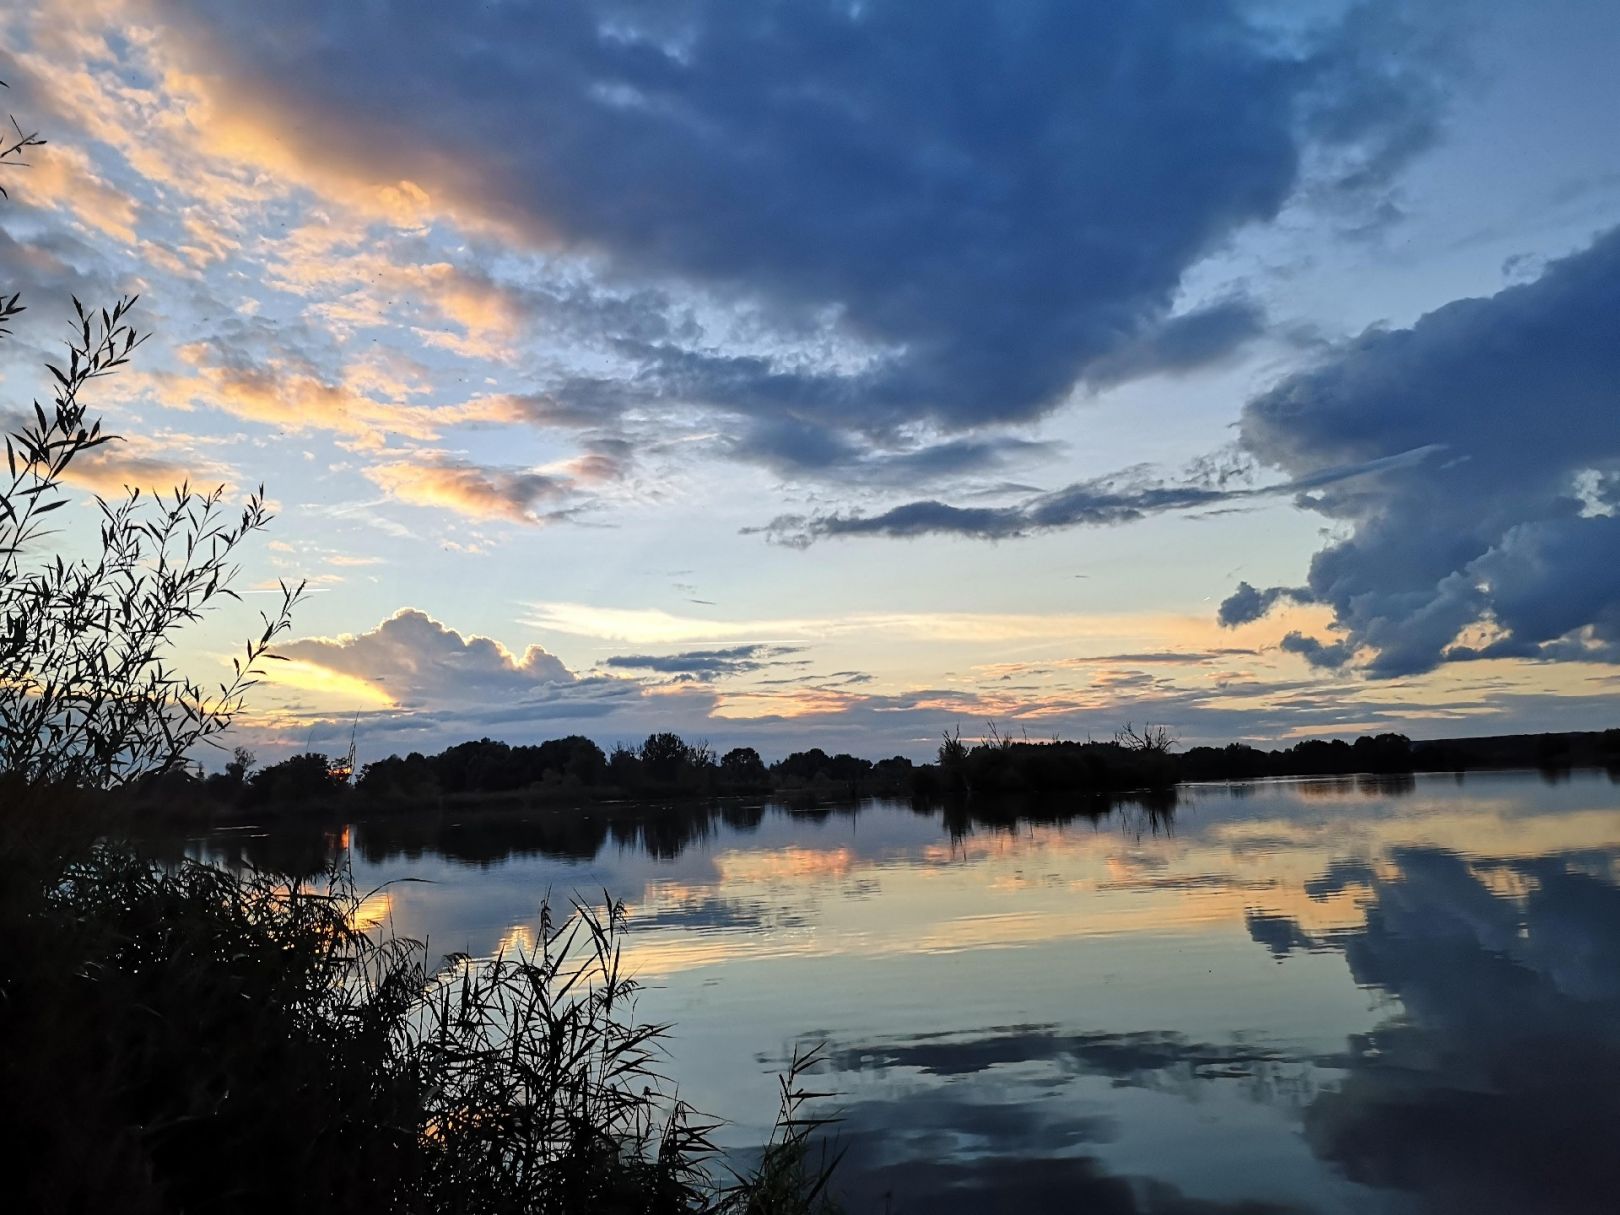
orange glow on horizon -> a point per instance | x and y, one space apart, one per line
312 677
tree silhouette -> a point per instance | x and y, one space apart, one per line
87 694
662 756
742 767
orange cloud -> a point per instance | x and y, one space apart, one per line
294 399
516 495
800 702
61 177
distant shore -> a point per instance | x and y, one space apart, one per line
575 772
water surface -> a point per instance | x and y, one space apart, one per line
1316 995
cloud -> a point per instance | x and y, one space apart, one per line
1151 658
949 214
353 277
63 178
655 627
157 465
796 448
1185 343
514 494
1122 497
1246 604
46 270
1316 652
411 660
291 395
1200 706
1508 545
707 665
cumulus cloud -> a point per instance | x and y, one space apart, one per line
414 661
1509 545
946 214
1478 973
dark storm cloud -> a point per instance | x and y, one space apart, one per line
970 208
1514 527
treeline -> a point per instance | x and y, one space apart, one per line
664 765
1001 765
572 768
1148 760
1395 753
1380 753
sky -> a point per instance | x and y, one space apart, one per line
840 374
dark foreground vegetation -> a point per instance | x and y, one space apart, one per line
575 770
191 1038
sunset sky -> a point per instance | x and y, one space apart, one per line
840 373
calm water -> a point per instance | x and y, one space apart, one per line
1331 996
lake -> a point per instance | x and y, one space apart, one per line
1337 995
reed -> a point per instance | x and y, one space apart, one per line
185 1038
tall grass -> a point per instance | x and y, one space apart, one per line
184 1038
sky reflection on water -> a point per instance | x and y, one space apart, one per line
1332 996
